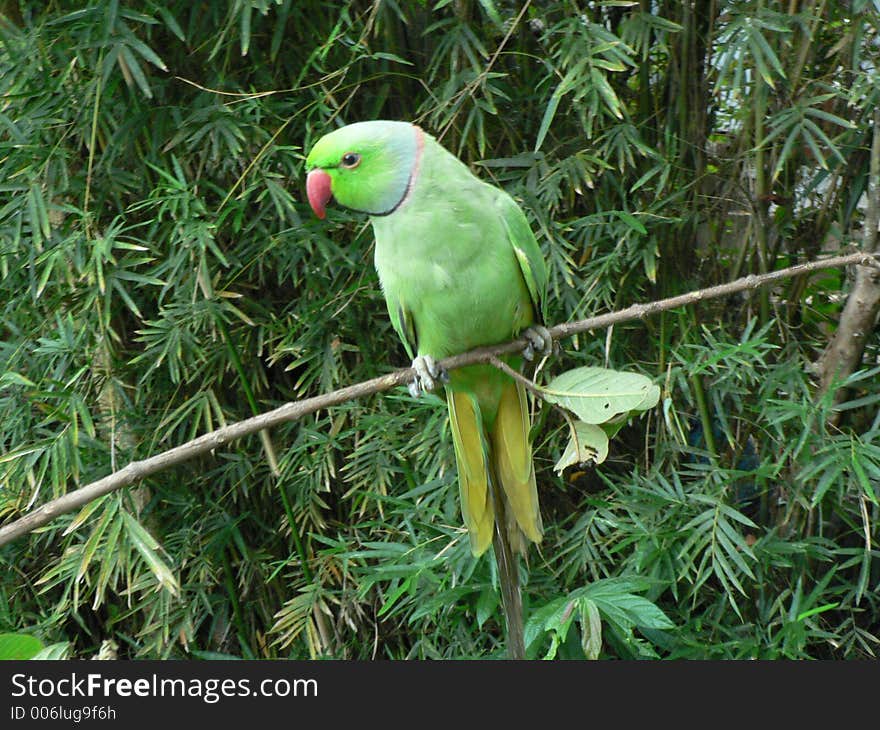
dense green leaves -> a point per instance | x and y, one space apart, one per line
597 396
614 600
160 276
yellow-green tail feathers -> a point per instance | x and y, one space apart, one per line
473 473
503 455
513 465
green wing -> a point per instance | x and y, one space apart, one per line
527 250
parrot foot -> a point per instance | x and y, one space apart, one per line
540 342
428 373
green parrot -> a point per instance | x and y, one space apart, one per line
459 268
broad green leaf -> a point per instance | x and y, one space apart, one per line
19 646
536 623
591 628
558 624
628 611
596 395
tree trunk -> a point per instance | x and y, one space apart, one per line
844 353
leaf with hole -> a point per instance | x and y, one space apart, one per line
587 442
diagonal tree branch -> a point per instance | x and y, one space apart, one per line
137 470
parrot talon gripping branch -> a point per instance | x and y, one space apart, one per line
540 342
428 374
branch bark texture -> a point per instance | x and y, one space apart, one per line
138 470
844 352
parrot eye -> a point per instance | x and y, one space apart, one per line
351 160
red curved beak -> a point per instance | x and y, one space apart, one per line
319 192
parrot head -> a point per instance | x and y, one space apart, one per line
367 167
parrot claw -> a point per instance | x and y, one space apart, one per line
540 342
428 373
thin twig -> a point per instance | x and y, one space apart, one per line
530 385
138 470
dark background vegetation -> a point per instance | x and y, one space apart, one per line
161 275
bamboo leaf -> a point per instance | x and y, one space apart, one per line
547 119
131 65
147 546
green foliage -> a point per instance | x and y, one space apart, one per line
19 646
602 400
614 600
586 443
160 276
596 395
